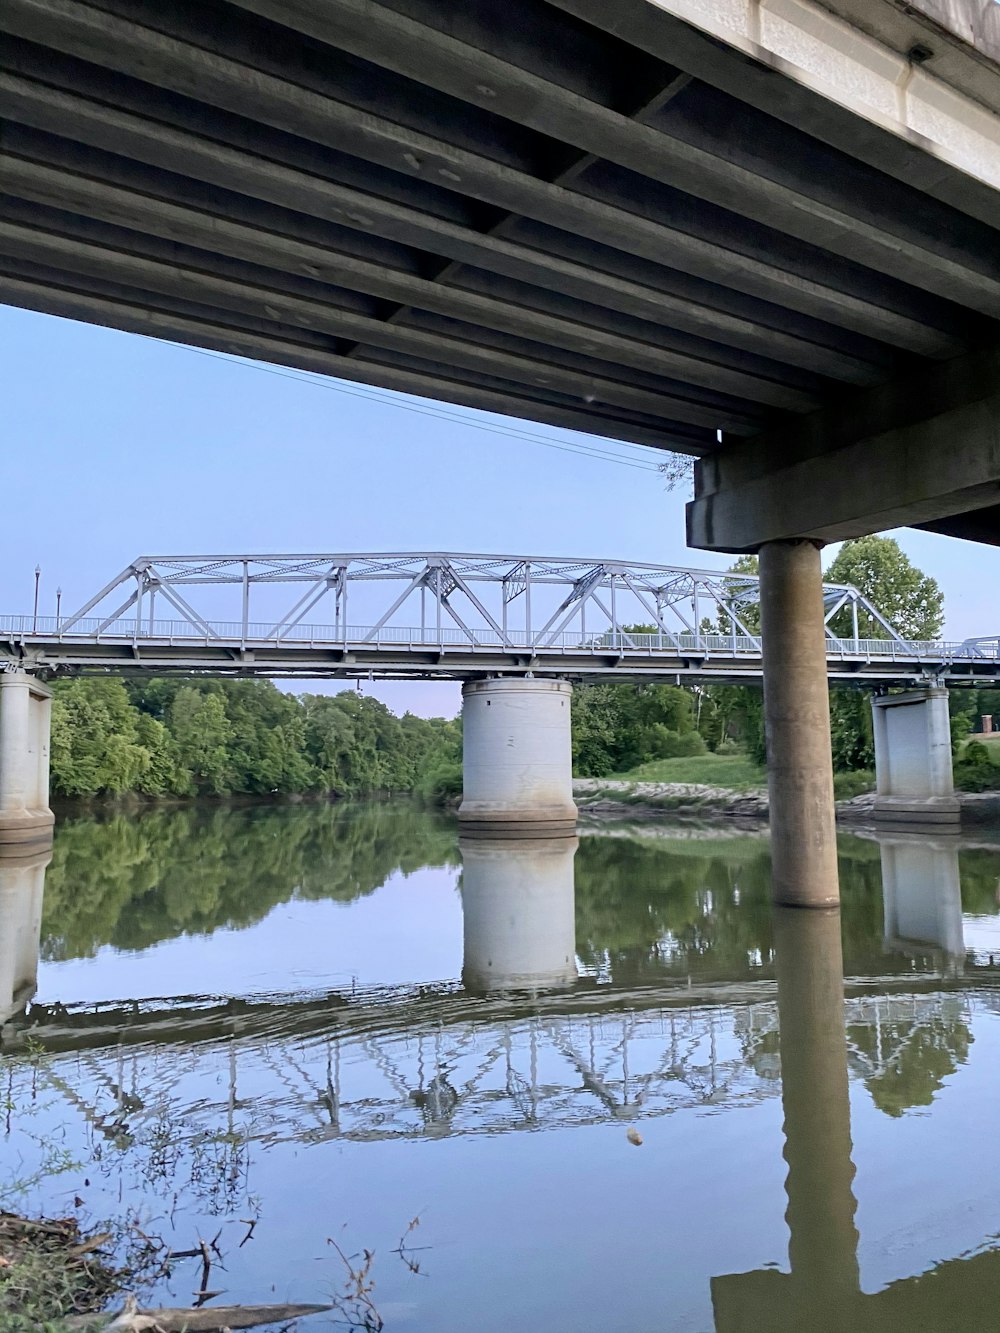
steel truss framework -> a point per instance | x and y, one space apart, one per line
465 1076
452 616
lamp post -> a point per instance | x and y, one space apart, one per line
58 608
34 618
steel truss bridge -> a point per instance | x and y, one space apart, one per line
448 616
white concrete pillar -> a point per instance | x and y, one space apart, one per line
922 895
517 758
797 726
518 909
22 886
913 758
25 716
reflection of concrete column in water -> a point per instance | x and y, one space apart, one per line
518 907
821 1294
922 894
22 883
823 1240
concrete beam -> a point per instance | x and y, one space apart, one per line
181 66
293 348
537 333
859 53
798 201
222 294
904 454
634 287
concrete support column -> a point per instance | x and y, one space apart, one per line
913 758
517 758
22 885
25 716
797 726
519 918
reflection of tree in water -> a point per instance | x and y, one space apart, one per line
131 882
905 1063
702 908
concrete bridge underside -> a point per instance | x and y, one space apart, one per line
762 234
642 220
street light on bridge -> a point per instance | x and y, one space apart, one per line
34 618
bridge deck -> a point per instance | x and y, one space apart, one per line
396 652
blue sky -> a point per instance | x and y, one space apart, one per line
116 445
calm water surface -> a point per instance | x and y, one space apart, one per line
332 1020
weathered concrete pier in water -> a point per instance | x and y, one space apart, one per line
767 236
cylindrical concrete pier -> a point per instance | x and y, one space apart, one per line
797 726
519 913
517 758
25 714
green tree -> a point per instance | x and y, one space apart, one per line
910 600
95 744
201 731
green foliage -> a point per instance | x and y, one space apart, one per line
975 770
735 772
616 727
166 737
911 601
851 729
97 746
442 783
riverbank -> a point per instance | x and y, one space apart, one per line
608 798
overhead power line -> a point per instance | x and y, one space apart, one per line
640 460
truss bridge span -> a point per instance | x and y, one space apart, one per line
438 615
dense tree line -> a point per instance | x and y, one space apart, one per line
169 737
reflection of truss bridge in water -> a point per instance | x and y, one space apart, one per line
432 1079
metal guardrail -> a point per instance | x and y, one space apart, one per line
30 629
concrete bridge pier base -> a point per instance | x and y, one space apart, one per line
518 909
25 721
797 726
913 759
517 758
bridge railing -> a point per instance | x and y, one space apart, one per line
29 629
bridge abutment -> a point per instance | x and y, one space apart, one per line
913 759
517 758
797 726
25 722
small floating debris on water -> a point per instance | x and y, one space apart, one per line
634 1136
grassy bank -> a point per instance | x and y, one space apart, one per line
735 772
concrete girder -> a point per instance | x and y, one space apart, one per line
185 68
825 210
658 28
218 294
496 262
888 460
317 266
292 348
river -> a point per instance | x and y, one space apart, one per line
298 1025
